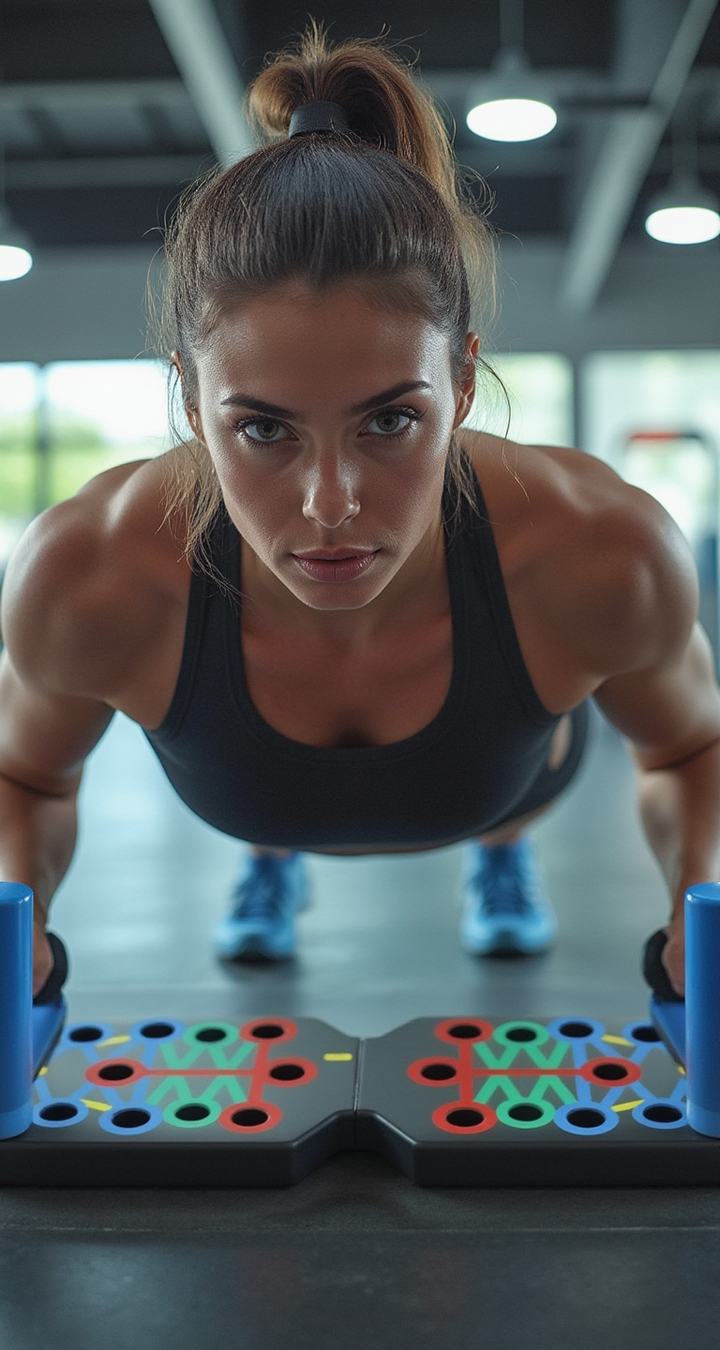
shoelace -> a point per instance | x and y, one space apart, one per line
261 895
503 880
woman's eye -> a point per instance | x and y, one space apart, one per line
264 429
389 422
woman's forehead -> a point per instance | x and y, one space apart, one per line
294 333
369 302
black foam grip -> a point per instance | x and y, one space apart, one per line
58 974
654 970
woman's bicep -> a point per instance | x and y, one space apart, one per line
45 737
670 711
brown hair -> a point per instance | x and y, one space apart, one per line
380 201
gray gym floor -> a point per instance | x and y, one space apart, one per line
354 1255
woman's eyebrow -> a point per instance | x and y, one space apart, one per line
274 410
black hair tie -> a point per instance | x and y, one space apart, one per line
318 116
58 974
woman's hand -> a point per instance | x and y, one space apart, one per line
43 960
673 956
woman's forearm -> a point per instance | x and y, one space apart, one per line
37 840
680 811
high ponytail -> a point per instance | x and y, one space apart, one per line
384 104
380 202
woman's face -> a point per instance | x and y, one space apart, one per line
328 420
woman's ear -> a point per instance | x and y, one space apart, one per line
191 411
466 393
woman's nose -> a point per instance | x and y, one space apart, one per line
330 495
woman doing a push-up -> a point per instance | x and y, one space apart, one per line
346 623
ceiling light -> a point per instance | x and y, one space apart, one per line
15 255
684 214
512 103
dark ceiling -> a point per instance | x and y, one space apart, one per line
110 106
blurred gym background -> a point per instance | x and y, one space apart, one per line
608 337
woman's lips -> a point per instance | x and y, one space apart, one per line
341 566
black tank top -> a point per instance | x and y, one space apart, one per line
458 776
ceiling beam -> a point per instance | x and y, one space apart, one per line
197 44
60 94
625 157
96 171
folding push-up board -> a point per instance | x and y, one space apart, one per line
451 1101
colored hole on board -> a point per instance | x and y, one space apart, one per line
438 1073
211 1034
85 1034
522 1034
610 1073
465 1118
580 1029
645 1033
268 1031
287 1073
465 1031
59 1111
156 1030
115 1073
664 1115
585 1119
195 1111
249 1115
525 1112
130 1119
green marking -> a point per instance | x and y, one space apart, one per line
553 1060
503 1085
513 1049
506 1033
180 1092
216 1051
546 1115
493 1061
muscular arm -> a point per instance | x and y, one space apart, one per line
43 740
669 709
45 732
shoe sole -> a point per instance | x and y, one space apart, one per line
255 955
507 944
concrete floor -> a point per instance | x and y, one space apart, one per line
354 1255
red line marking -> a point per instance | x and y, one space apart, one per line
255 1096
465 1062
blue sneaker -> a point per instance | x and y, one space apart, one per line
506 911
261 926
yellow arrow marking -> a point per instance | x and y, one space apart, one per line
114 1040
616 1040
339 1057
97 1106
627 1106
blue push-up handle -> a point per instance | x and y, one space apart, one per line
702 1007
16 1055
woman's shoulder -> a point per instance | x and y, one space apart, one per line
90 580
598 560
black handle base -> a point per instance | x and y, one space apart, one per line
58 974
654 971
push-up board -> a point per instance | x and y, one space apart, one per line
464 1101
571 1101
167 1103
455 1101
